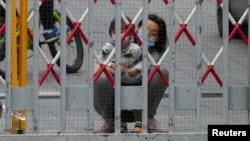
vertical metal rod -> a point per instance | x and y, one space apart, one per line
91 64
8 67
172 66
225 61
198 61
35 64
117 64
144 64
63 58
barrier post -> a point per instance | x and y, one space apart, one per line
19 117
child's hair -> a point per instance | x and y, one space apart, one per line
112 25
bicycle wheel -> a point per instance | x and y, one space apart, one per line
74 49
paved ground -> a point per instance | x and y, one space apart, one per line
211 107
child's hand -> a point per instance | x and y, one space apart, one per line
110 70
123 69
133 72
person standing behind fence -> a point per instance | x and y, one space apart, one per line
131 67
104 92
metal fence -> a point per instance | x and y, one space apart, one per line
208 68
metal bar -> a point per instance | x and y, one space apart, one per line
91 64
36 65
144 114
32 12
171 108
118 41
63 56
225 61
8 67
198 63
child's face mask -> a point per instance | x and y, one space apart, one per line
126 41
151 43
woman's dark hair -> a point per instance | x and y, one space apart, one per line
161 43
112 25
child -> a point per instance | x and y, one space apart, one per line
131 57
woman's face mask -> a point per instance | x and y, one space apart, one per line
151 43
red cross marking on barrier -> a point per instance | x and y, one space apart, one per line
77 26
241 33
237 28
155 70
108 75
50 68
77 29
103 68
183 26
210 69
131 26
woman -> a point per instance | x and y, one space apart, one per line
157 42
104 92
